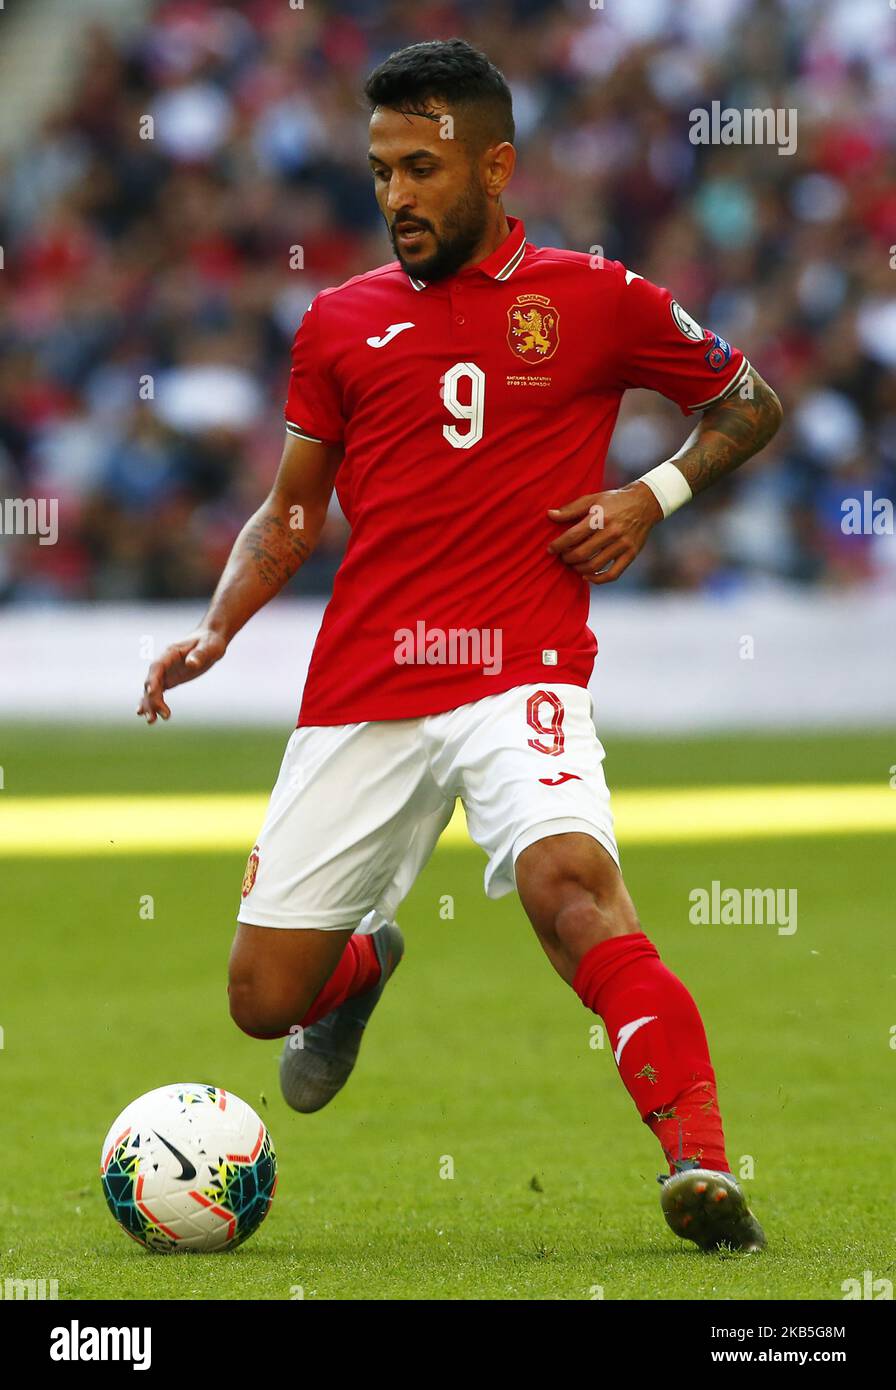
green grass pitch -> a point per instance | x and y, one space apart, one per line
478 1052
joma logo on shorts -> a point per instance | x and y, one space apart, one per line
453 646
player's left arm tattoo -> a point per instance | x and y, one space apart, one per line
275 548
729 433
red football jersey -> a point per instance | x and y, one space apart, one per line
466 407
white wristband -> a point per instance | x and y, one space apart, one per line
669 486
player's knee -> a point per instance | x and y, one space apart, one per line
263 1008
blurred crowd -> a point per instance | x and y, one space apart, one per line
151 289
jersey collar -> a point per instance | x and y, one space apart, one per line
502 262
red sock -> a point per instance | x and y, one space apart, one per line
659 1045
357 972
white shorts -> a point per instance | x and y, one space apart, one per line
357 808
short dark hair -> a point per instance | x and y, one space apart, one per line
450 70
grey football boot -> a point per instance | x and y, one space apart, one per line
312 1074
710 1209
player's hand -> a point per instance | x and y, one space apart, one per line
182 661
609 531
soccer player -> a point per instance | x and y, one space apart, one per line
461 400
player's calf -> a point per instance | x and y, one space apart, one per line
574 896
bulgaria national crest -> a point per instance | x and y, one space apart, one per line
533 328
251 872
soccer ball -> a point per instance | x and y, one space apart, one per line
188 1167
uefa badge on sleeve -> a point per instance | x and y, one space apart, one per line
718 353
251 873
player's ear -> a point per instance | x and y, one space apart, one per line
499 163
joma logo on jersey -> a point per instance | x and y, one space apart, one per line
533 328
391 332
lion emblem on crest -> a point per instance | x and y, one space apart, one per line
533 324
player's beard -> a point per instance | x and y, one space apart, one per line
463 228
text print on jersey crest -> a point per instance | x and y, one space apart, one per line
391 332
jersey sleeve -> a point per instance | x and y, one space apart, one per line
314 402
661 347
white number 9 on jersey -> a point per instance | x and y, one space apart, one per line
474 412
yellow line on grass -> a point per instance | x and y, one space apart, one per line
51 827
